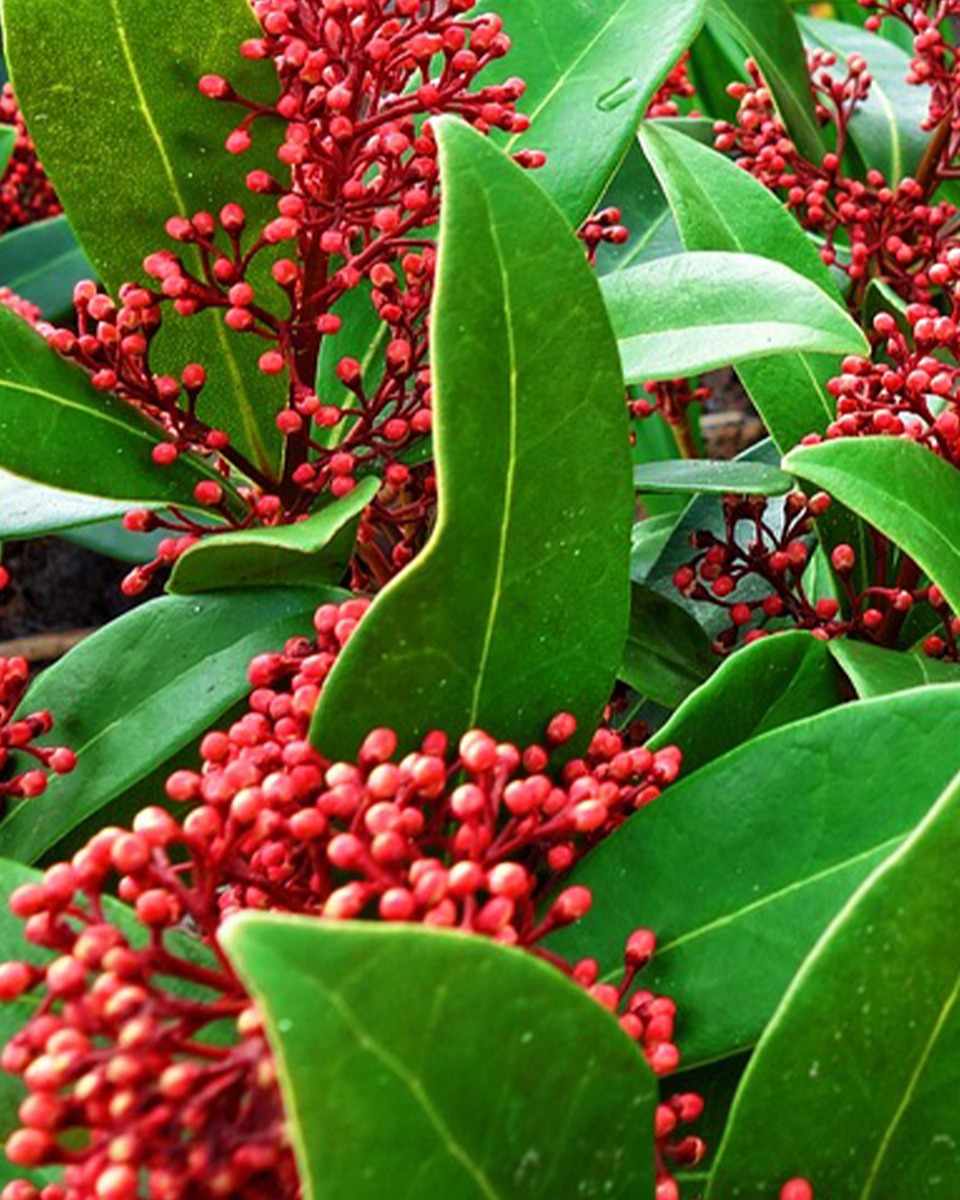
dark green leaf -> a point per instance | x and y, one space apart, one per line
694 312
899 487
31 510
645 212
590 75
716 1083
874 671
149 146
711 475
385 1101
716 61
140 689
518 607
769 842
768 30
770 683
312 552
886 128
667 653
717 206
865 1048
650 536
42 263
111 539
8 139
55 428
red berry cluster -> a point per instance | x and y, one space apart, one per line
757 572
871 229
935 65
18 735
127 1086
356 194
26 194
676 86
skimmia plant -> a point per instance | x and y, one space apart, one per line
489 793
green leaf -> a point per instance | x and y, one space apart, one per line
886 129
635 191
900 488
385 1101
110 538
8 139
312 552
716 61
874 671
694 312
518 607
42 263
718 206
768 684
55 428
712 476
143 687
150 146
769 31
32 510
667 653
770 842
864 1048
590 75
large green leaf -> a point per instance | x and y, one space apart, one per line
421 1063
31 510
312 552
590 74
768 684
900 488
717 206
149 146
142 688
874 671
42 263
714 476
769 31
865 1049
55 428
518 607
770 841
667 653
886 128
694 312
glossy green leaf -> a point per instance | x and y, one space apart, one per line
111 539
770 841
865 1048
769 31
886 128
667 653
874 671
713 476
518 607
8 139
42 263
698 311
768 684
56 429
142 688
590 74
716 61
900 488
650 536
718 206
312 552
32 510
150 146
470 1098
635 191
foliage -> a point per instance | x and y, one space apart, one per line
508 798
